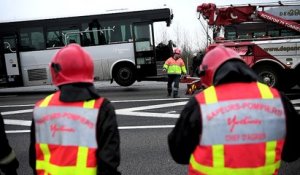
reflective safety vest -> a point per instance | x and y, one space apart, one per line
65 136
243 130
175 66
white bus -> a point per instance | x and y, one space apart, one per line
121 42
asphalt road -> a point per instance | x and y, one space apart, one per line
145 117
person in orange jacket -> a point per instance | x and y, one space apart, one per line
175 67
74 130
237 125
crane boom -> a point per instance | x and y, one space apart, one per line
285 23
245 13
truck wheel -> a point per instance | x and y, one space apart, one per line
124 75
268 75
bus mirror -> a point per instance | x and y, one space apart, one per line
8 46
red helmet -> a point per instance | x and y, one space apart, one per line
213 60
177 51
72 64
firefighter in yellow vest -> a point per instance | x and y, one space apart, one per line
8 160
237 125
174 67
74 130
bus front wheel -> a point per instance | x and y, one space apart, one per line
124 75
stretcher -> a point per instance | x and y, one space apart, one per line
193 84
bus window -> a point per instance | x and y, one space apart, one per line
92 34
91 38
143 38
71 36
106 32
115 34
54 39
86 36
32 39
126 32
118 31
142 33
113 31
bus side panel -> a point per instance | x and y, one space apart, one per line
35 67
106 55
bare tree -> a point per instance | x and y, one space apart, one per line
162 34
199 41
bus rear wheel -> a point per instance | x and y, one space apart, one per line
124 75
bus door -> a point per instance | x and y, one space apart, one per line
9 63
144 48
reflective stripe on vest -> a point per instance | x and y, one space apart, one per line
255 124
65 136
80 168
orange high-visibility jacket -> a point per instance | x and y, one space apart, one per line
175 66
243 131
65 136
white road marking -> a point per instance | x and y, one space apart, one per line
126 111
17 131
154 106
17 112
116 101
145 100
297 101
17 122
148 114
135 111
146 127
12 106
171 112
120 128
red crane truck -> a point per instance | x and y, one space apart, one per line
267 36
